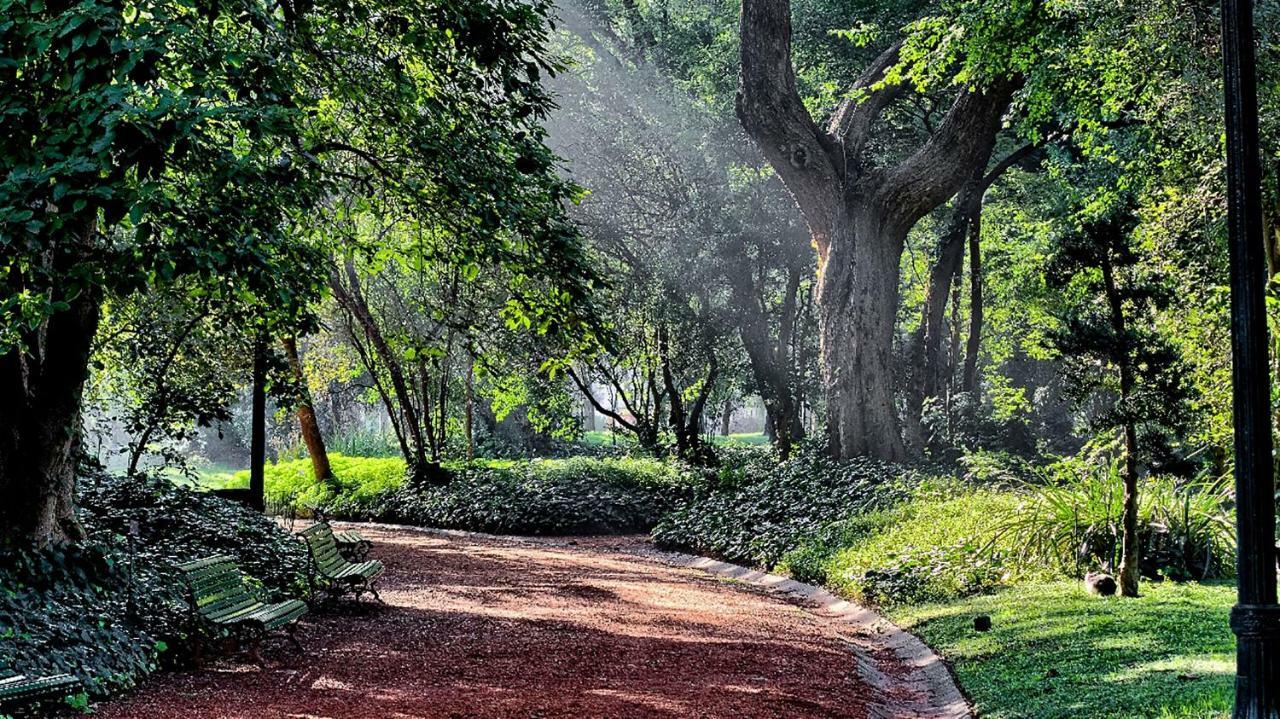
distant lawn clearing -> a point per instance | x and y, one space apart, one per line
603 437
1054 651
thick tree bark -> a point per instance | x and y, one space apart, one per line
40 392
1130 553
726 417
858 216
307 422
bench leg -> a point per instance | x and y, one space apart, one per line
291 633
255 648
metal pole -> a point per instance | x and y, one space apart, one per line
1256 616
258 428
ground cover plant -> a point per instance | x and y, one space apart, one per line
551 496
125 583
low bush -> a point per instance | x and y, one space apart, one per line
112 609
573 496
1070 519
359 486
757 510
939 544
561 496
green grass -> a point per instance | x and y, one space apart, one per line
752 439
1054 651
208 476
604 437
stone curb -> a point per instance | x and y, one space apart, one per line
932 691
926 691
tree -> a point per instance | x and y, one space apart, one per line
121 174
200 144
1113 352
697 240
308 425
858 214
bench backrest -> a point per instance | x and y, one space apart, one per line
217 587
323 547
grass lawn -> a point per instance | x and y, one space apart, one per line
599 437
208 476
749 438
1054 651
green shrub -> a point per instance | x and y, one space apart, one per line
940 544
110 615
358 488
1071 519
577 495
756 511
574 496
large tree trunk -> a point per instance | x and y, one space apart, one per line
307 422
858 303
858 216
40 430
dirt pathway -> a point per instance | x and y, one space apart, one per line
484 627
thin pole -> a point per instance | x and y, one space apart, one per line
258 427
1256 617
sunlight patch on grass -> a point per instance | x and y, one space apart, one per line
1056 652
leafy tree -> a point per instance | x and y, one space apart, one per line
144 142
709 273
155 141
1114 356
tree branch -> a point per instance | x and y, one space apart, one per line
851 124
771 111
938 169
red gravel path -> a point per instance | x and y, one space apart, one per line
478 627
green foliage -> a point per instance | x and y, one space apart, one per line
574 496
939 544
1056 652
556 496
758 510
65 610
112 610
1070 519
358 488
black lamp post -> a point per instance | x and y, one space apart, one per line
1256 616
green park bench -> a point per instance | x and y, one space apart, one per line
18 691
219 596
352 545
333 573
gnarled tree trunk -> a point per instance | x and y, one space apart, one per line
858 216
